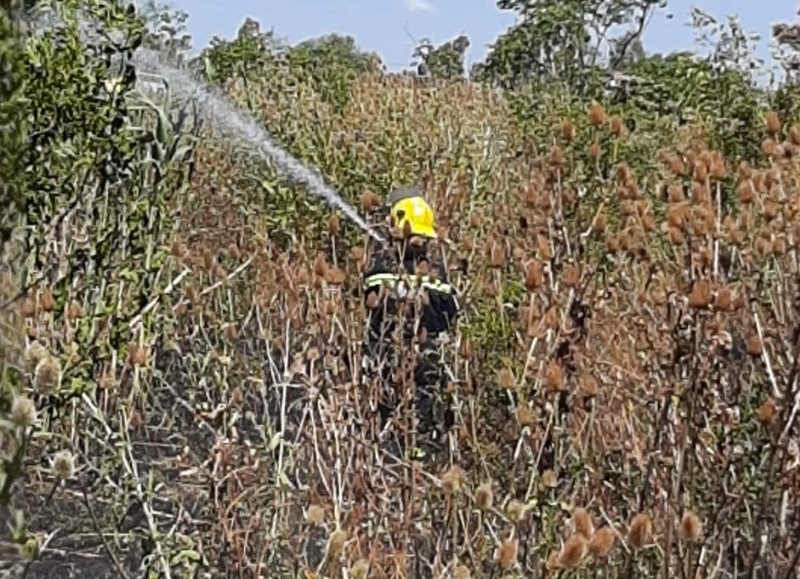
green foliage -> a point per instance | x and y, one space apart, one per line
561 42
100 175
246 56
167 31
443 62
12 117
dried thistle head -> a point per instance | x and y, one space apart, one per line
453 479
47 301
63 464
484 496
573 552
506 380
582 523
336 542
640 533
602 542
516 510
754 346
23 412
554 376
549 479
507 553
534 274
772 122
47 376
34 354
370 201
360 569
766 412
568 131
691 528
595 151
315 514
700 296
525 417
557 157
616 126
597 114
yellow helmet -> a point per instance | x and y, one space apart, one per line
416 214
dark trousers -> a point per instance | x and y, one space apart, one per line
431 402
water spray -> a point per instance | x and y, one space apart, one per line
241 128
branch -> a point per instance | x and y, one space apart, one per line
644 19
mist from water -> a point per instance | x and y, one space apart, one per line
242 129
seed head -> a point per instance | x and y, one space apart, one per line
74 311
315 514
360 569
595 151
572 275
616 125
505 379
700 296
28 307
34 354
336 542
690 528
507 553
573 552
47 376
582 523
47 301
63 464
754 346
370 201
568 131
641 531
23 412
773 122
549 479
769 148
484 497
334 226
525 416
497 255
766 412
602 542
724 300
534 275
557 156
588 385
335 276
555 376
452 479
597 114
516 510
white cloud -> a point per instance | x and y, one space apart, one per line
419 6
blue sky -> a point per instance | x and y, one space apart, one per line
388 27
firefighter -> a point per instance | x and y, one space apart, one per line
406 284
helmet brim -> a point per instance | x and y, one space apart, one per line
422 231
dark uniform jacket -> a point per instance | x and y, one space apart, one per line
393 277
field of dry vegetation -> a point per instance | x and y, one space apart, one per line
181 364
